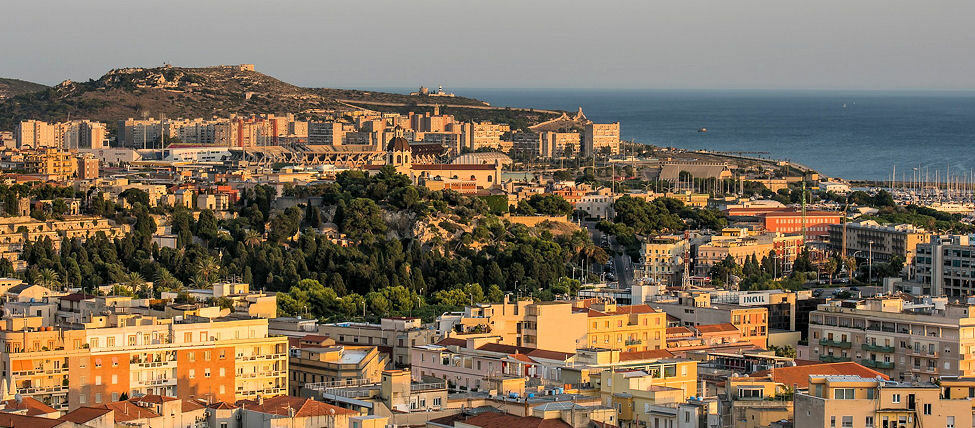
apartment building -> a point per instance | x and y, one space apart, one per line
76 134
903 340
628 328
474 364
651 394
316 358
945 266
697 309
853 401
869 239
553 326
741 244
51 162
601 138
395 392
394 335
662 259
115 355
476 135
815 223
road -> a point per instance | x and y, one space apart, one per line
622 265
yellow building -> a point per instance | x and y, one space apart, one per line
757 402
552 326
637 395
51 162
628 328
853 401
319 359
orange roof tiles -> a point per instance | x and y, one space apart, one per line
82 415
283 405
33 406
501 420
716 328
799 375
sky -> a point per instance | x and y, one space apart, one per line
679 44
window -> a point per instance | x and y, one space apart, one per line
206 372
223 425
188 337
223 354
203 336
206 355
98 381
192 374
927 408
868 421
132 339
437 401
114 396
223 372
222 389
98 397
110 341
115 379
843 393
847 421
950 422
98 362
83 399
895 398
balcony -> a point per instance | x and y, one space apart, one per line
878 348
833 359
429 386
259 357
42 390
835 344
633 342
874 364
156 364
155 382
40 372
922 353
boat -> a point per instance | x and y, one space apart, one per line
702 130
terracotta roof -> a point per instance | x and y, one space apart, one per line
673 331
398 144
283 405
33 406
799 213
17 421
655 354
221 405
153 398
191 405
505 349
82 415
799 375
716 328
452 341
522 357
501 420
126 411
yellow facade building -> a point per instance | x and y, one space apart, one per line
51 162
628 328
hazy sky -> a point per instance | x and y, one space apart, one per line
841 44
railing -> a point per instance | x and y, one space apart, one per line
156 364
39 372
922 353
42 390
630 342
429 386
259 357
874 364
878 348
836 344
833 359
155 382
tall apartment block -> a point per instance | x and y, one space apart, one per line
127 354
903 340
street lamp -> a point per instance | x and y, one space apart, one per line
870 263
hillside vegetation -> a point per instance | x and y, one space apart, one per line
188 92
13 87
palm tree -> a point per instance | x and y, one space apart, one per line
252 238
48 278
207 268
199 282
166 280
137 284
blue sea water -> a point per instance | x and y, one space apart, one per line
865 140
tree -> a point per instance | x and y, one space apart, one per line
48 278
206 225
207 269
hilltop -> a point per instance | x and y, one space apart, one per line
13 87
210 91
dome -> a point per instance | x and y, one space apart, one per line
398 144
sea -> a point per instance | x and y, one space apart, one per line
862 135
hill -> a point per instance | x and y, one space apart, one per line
202 92
13 87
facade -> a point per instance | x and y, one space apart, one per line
900 339
816 223
318 359
477 364
53 162
741 244
398 334
662 259
944 266
869 239
77 134
554 326
601 138
696 310
853 401
651 394
628 328
226 360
